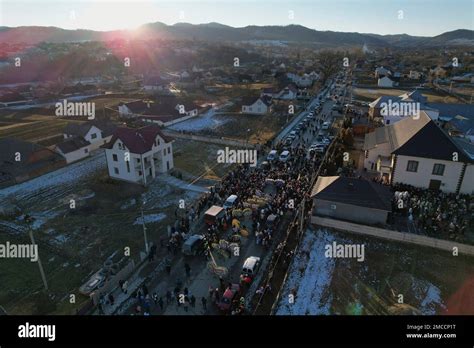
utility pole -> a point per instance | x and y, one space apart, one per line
40 265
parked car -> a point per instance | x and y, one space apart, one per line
317 148
250 267
230 202
272 155
325 125
194 245
230 294
284 156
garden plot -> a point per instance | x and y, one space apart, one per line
426 278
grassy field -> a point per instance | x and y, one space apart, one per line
370 94
252 128
427 278
73 244
199 159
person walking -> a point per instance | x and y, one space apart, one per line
187 268
204 303
193 301
160 303
155 298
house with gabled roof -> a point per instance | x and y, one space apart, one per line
289 92
256 105
418 152
393 108
138 155
163 111
73 149
96 132
351 199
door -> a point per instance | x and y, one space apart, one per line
435 184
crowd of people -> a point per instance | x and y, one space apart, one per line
282 187
435 212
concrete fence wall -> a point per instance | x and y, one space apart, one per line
403 237
213 140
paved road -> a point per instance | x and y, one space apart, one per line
298 118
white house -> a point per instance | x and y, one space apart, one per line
138 155
256 105
73 149
418 152
415 75
381 72
97 133
305 80
290 92
385 82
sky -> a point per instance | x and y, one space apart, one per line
413 17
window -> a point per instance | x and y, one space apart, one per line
86 150
169 150
114 157
116 171
412 166
94 136
438 169
128 166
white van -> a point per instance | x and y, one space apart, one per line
284 156
250 266
230 202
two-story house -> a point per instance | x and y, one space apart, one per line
417 152
138 154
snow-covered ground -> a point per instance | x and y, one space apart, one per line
317 283
46 196
208 120
149 218
310 276
52 184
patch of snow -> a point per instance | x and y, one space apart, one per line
310 276
432 300
149 218
208 120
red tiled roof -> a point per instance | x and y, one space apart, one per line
138 140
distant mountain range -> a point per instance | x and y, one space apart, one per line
223 33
